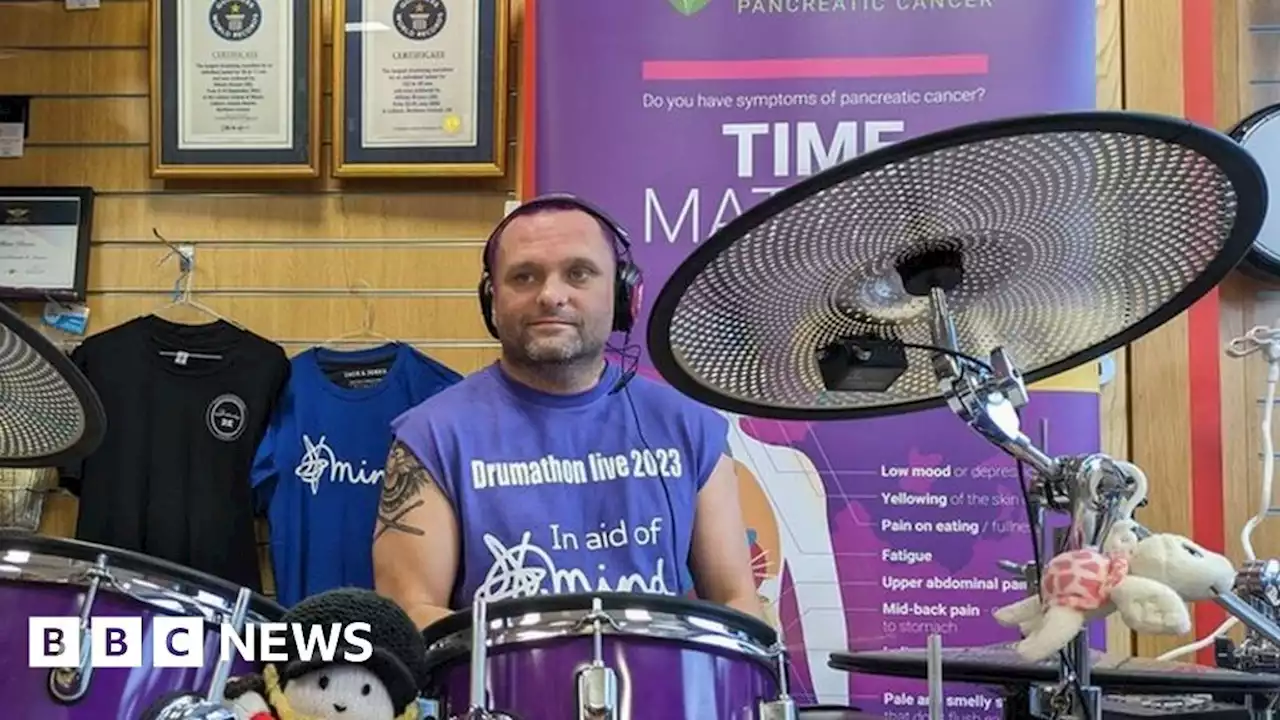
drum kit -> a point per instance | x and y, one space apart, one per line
953 270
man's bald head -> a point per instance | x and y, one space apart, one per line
552 268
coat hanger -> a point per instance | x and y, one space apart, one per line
366 331
182 297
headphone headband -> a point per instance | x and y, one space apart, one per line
559 201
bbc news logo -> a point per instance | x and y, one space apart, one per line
179 642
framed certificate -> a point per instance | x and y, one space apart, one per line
234 88
420 88
44 242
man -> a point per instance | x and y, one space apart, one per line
553 471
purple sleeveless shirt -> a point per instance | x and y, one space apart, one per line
564 494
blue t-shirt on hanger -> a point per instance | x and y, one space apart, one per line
319 469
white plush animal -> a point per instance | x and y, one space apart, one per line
1149 581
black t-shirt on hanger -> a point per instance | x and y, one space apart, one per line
186 408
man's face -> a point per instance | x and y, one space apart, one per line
553 287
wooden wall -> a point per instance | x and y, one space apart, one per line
298 262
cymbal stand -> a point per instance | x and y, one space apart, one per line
989 399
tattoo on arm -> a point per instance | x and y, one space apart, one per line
401 488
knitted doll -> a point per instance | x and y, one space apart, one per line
383 687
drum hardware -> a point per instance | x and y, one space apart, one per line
597 682
1170 687
479 707
1047 238
192 707
934 672
218 685
57 576
212 706
543 657
1257 604
479 645
784 706
67 685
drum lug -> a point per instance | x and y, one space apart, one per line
68 685
597 693
597 682
784 709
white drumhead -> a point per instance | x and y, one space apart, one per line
1262 140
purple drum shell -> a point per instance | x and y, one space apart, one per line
114 693
657 679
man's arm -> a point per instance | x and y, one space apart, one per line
721 560
415 540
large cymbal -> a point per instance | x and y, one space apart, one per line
1077 233
1001 666
49 413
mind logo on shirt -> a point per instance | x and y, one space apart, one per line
319 460
526 569
226 417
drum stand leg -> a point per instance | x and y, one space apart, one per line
68 685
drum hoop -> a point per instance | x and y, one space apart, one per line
551 617
1244 130
160 584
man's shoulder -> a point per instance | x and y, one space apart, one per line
454 403
658 398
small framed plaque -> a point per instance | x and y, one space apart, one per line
420 88
44 242
235 88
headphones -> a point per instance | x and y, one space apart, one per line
628 282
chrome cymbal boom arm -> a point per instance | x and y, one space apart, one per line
989 399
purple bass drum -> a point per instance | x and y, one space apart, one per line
645 657
44 576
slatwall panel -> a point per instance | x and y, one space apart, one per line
298 262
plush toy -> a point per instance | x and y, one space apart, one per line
1148 580
384 687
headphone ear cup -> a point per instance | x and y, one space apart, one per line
485 292
628 292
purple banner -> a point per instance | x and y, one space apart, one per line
677 115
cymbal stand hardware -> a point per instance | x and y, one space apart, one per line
989 399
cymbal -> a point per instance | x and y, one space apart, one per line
1067 235
50 415
1000 665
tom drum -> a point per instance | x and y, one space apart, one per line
44 576
648 657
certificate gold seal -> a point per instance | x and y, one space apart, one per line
451 124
